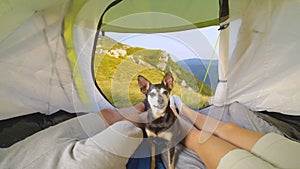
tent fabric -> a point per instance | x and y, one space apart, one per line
264 67
221 91
287 124
69 39
160 16
39 68
35 73
43 65
46 57
18 128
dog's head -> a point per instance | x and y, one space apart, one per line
158 95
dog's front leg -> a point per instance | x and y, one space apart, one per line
171 157
152 156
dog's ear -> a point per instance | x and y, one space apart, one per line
144 84
168 80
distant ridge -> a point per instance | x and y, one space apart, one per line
118 64
199 66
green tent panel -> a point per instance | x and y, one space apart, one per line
160 16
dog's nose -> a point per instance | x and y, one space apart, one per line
160 100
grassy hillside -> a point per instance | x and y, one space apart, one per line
117 67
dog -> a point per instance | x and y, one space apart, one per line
160 117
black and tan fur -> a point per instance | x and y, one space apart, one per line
160 116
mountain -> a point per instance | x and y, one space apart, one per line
117 66
199 67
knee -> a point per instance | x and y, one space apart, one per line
226 128
191 139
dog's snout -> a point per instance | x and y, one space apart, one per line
160 99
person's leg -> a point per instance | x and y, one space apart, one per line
230 132
211 151
46 145
242 159
278 150
217 153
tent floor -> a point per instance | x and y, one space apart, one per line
18 128
287 124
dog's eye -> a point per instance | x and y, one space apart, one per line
151 94
165 93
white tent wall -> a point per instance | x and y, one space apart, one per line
35 73
264 68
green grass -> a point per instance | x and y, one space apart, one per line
117 78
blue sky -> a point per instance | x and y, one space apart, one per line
197 43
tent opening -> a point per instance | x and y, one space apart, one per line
121 57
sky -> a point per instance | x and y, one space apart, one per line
197 43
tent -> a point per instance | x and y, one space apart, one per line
47 49
62 36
